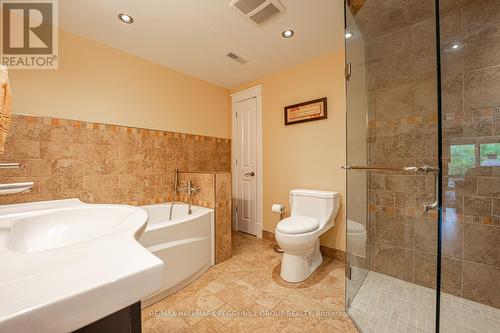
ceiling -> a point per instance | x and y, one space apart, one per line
194 36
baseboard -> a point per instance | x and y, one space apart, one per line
332 253
268 236
327 252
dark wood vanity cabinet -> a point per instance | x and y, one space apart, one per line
127 320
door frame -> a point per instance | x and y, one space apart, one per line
240 96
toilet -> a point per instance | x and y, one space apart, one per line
313 213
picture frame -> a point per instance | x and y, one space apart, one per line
307 111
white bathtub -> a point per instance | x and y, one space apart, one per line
185 244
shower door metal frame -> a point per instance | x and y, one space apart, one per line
439 182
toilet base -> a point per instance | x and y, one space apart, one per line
297 267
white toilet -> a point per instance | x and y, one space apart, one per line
312 214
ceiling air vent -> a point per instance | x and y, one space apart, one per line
236 57
258 11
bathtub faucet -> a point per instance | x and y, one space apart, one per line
189 188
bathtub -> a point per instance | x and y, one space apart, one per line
185 244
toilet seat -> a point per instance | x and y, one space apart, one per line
297 225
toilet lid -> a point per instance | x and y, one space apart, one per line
297 225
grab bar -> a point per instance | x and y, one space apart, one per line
424 168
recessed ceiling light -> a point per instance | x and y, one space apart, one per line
455 46
348 35
287 33
125 18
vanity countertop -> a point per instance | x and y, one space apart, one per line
65 264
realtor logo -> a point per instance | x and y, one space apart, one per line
29 34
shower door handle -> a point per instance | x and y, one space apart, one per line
409 169
424 168
435 204
428 207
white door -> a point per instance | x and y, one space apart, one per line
246 165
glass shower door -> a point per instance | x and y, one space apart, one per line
392 165
357 154
470 270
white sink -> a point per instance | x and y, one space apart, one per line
65 264
68 226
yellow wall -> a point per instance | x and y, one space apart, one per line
307 155
97 83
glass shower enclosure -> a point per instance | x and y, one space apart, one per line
423 165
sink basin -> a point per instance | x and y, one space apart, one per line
66 264
67 226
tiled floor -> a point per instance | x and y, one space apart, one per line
246 294
385 304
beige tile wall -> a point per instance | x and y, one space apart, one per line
102 163
206 196
223 199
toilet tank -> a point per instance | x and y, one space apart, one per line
322 205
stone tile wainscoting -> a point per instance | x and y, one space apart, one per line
215 193
101 163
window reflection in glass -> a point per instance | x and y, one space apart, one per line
463 157
490 154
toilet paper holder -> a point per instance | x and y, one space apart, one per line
278 209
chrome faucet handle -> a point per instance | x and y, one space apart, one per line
189 188
193 189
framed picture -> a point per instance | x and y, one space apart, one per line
307 111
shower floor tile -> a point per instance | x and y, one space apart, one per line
385 304
246 294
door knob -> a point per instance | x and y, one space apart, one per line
250 174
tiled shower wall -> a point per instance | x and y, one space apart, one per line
401 66
101 163
403 123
